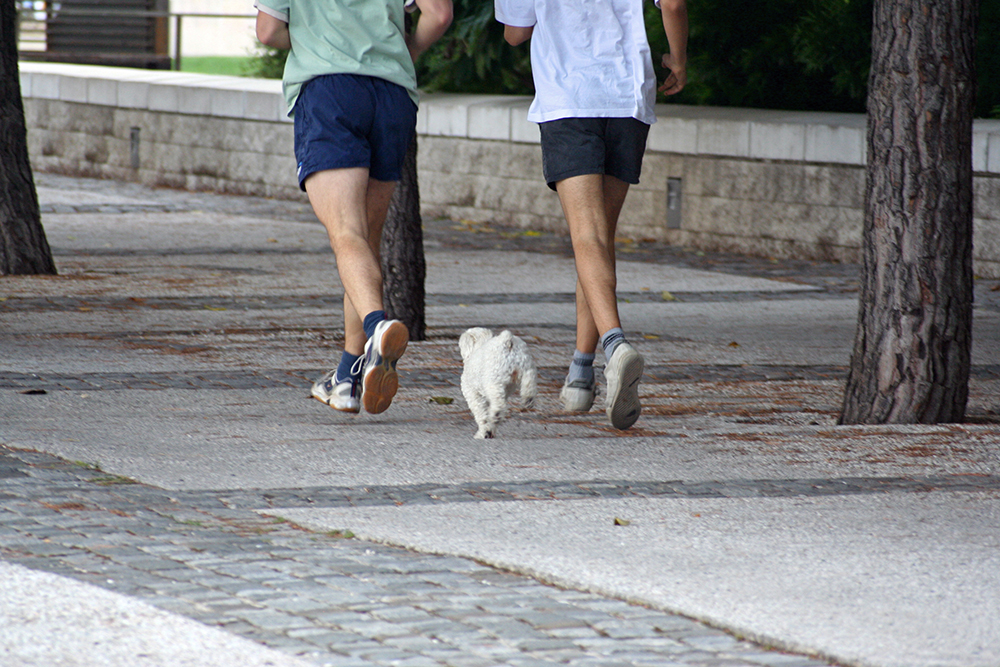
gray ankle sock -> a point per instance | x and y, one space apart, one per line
611 339
582 367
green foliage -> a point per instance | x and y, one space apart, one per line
781 54
833 39
988 60
749 53
473 57
268 63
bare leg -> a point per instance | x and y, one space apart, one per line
592 204
353 207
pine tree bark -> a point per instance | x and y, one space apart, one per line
403 265
913 344
23 246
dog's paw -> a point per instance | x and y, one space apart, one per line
482 434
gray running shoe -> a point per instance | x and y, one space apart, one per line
622 374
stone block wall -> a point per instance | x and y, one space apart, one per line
755 206
770 183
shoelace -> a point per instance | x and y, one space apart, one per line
358 366
354 377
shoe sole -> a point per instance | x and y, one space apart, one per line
382 382
624 408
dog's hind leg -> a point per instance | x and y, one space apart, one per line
479 406
496 397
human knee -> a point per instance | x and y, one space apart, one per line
589 244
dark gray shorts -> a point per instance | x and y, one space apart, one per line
578 146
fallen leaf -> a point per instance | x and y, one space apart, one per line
734 344
622 522
667 296
442 400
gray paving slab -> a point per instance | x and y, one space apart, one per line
171 360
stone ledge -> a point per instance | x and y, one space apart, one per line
816 137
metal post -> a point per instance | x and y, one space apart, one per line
177 32
134 147
674 189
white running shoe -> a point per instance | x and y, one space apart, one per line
379 381
578 395
622 374
341 396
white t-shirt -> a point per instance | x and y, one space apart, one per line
589 58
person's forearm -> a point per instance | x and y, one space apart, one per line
435 17
675 24
272 31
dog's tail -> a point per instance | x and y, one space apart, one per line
529 379
506 340
527 374
529 384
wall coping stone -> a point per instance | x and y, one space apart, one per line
755 134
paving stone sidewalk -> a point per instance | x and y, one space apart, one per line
178 346
326 597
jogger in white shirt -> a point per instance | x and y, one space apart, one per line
594 96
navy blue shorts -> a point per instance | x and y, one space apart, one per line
347 120
578 146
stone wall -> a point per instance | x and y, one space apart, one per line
762 182
753 206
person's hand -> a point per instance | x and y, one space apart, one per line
677 79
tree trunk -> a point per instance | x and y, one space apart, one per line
403 267
912 348
23 246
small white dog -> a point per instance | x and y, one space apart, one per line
494 366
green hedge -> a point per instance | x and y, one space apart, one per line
780 54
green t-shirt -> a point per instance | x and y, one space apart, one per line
343 37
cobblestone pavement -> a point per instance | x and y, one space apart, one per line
325 597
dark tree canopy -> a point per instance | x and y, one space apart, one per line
23 246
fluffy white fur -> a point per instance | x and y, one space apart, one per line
494 367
